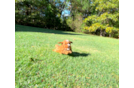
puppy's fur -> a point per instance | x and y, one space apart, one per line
65 47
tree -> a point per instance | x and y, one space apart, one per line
39 13
79 9
106 18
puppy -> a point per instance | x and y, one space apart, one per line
65 47
66 44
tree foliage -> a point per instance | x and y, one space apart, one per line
94 16
106 17
39 13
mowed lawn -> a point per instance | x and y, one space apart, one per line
93 64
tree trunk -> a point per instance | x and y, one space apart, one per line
104 33
109 35
101 32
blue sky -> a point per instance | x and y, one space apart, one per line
66 12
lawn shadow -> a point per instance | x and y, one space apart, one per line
22 28
77 54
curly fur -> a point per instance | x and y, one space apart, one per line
64 48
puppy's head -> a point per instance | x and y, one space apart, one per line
65 42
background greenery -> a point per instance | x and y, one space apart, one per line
100 17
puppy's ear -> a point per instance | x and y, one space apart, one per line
60 42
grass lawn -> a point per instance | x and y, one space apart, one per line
93 64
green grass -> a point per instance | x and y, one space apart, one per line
93 64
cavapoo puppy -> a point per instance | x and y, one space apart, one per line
64 48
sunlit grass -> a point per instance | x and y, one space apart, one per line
94 62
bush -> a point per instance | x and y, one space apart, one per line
76 24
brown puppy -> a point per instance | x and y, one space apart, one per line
65 47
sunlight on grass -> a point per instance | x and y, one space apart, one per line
94 62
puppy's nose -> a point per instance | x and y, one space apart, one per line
68 49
